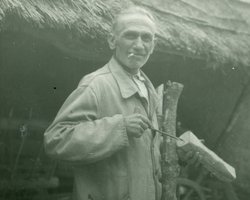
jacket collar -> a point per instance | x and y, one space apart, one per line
127 86
153 96
125 83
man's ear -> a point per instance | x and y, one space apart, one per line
153 45
112 41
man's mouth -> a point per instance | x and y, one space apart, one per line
135 54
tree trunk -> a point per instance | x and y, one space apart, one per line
170 167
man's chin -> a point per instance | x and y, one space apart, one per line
137 64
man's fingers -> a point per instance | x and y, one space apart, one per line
143 125
181 153
136 124
138 131
195 159
145 120
188 156
198 161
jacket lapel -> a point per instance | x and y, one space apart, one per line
153 97
126 85
128 88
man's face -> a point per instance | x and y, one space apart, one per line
133 41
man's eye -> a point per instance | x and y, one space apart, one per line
131 35
147 37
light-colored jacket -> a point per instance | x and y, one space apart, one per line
89 131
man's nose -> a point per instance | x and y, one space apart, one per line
138 42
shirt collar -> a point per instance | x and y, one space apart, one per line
139 77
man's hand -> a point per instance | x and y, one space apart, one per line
136 124
190 157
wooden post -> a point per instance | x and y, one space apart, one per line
170 166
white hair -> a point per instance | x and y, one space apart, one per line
133 10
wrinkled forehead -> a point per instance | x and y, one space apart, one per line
138 21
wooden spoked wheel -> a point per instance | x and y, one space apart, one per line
189 190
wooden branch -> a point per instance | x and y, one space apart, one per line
159 111
170 167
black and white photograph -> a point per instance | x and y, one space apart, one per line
124 100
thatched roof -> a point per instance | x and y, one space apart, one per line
218 31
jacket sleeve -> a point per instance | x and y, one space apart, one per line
77 134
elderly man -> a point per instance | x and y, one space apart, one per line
103 128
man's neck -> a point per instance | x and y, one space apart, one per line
127 69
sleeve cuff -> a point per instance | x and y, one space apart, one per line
124 132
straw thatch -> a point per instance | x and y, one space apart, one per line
218 31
